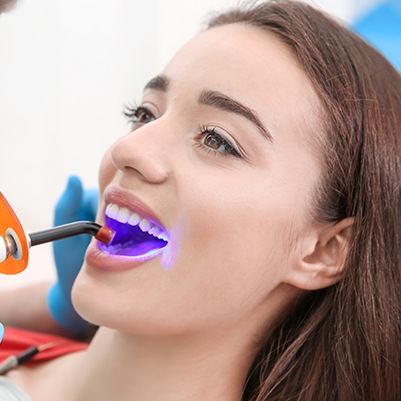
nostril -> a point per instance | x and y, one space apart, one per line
136 157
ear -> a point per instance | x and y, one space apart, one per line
319 261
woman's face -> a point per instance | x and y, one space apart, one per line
220 161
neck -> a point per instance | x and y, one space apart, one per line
212 364
125 367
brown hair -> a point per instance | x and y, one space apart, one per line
343 342
6 5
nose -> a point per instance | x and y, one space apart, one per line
142 153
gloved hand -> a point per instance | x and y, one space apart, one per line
1 332
75 204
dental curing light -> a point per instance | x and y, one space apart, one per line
15 244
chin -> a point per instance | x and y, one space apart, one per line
98 298
91 298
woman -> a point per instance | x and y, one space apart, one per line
264 164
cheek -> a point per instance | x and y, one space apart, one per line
229 239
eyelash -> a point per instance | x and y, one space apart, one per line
135 113
204 132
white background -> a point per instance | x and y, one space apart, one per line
67 67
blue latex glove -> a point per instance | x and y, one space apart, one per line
75 204
1 332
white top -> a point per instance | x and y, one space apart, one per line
9 391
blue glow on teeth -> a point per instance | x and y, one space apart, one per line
130 240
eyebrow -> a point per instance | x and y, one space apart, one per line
218 100
160 83
226 103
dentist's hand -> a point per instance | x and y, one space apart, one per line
1 332
75 204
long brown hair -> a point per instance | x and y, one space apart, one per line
342 343
6 5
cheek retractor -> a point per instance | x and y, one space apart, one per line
15 244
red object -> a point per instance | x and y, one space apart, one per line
17 340
105 234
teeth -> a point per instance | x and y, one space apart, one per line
112 211
155 231
123 215
145 225
163 236
134 219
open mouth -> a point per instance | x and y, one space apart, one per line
134 235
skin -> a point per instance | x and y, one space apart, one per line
211 203
243 244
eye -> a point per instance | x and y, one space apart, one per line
138 115
211 140
214 142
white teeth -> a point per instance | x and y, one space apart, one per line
155 231
134 219
163 236
112 211
124 215
145 225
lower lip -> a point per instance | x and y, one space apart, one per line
103 261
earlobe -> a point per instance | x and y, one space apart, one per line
321 259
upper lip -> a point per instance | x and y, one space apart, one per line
122 198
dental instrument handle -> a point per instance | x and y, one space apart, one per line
101 233
10 245
15 243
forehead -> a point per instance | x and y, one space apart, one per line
251 64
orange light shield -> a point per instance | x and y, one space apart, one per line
10 225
